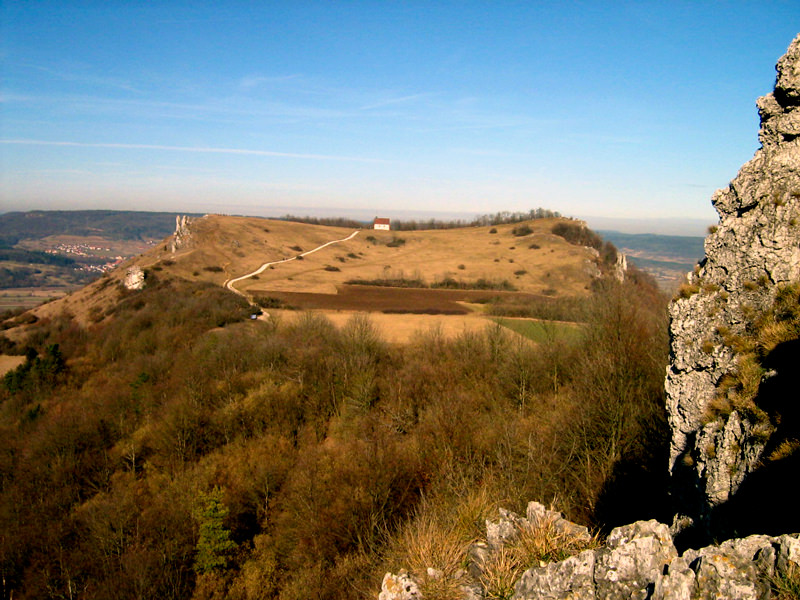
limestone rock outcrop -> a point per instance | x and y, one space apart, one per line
399 587
626 567
638 561
182 234
134 278
750 255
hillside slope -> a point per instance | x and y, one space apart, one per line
239 245
168 446
217 248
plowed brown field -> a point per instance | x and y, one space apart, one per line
387 299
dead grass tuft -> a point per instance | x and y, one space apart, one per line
786 585
786 449
430 543
500 574
549 543
534 546
687 290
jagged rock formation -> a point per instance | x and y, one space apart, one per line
620 267
182 234
638 561
627 567
750 255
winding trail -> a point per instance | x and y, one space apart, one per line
229 282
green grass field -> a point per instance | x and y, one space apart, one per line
542 331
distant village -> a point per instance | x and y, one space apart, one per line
91 252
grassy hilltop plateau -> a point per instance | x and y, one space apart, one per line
396 389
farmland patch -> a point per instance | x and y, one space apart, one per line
387 300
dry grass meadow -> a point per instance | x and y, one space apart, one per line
224 247
9 362
466 254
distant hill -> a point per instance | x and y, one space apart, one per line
45 254
61 250
108 224
666 257
677 247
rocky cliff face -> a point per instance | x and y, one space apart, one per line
183 234
719 428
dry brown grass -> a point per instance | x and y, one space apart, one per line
432 544
9 362
786 449
546 542
403 328
786 586
438 538
224 247
433 255
500 574
533 546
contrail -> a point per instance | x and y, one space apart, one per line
203 150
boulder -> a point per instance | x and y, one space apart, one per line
399 587
134 278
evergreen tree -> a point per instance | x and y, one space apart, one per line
214 545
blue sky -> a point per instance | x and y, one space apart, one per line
618 109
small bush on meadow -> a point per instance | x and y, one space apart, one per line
522 230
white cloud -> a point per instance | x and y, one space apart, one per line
195 149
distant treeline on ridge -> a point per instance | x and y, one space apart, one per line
499 218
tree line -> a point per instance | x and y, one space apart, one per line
499 218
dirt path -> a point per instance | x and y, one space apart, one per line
229 282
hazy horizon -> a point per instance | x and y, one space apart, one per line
668 226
